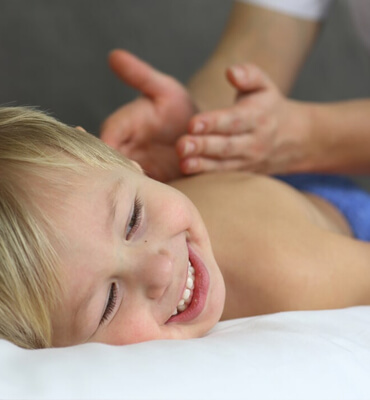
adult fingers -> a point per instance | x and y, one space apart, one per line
221 147
129 122
112 133
231 121
202 164
115 130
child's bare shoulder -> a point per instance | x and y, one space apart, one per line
245 190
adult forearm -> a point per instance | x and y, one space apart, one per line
338 136
276 42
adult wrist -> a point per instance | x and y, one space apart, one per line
300 141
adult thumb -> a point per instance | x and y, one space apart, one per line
247 78
138 74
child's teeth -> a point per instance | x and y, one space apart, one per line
181 308
188 292
190 283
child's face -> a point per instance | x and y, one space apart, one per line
125 265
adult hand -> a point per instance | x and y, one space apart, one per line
147 128
260 132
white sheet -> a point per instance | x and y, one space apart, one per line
295 355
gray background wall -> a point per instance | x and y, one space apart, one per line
53 52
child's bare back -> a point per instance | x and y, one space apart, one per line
279 249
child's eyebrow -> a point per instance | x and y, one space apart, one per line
112 201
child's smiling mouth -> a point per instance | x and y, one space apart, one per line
194 295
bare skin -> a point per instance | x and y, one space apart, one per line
255 35
147 128
261 131
124 271
278 249
270 246
266 132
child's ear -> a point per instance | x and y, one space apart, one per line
80 128
137 166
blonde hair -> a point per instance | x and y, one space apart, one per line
35 149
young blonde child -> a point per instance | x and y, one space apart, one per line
93 250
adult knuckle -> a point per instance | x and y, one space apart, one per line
204 145
236 123
228 148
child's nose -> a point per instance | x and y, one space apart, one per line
154 273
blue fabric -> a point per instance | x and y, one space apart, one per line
343 193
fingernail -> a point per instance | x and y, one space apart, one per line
199 127
189 148
239 74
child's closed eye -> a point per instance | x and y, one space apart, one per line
111 304
135 218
